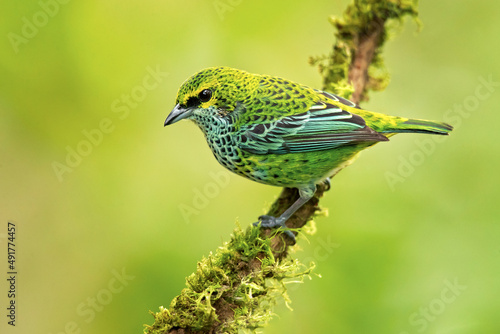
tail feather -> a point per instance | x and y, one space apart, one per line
420 126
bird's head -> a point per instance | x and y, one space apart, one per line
212 92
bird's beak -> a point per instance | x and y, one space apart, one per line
177 114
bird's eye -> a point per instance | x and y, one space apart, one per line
205 95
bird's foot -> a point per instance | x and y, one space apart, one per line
327 183
271 222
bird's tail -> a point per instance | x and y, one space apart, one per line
419 126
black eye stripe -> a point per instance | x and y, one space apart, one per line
193 101
204 96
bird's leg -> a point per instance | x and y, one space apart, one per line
269 221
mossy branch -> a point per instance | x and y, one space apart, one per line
355 65
234 289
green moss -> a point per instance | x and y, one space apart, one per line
361 17
243 279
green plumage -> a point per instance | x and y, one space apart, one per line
281 133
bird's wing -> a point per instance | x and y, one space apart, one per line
337 98
324 126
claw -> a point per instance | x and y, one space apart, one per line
271 222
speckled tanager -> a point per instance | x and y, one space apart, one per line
281 133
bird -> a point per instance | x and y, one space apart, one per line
281 133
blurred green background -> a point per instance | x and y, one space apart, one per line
419 253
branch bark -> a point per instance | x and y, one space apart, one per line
365 47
